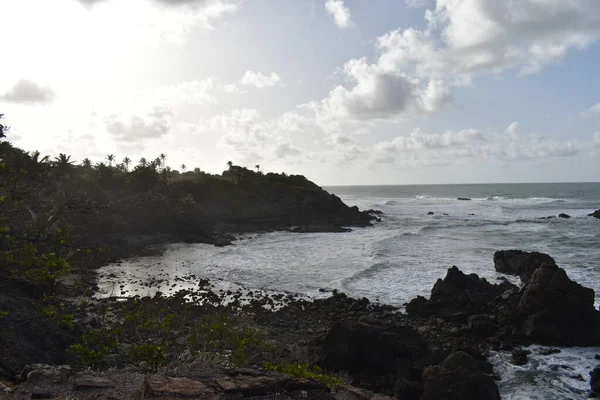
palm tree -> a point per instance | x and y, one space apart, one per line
183 167
143 162
63 160
257 168
110 158
126 162
230 164
197 170
162 159
87 163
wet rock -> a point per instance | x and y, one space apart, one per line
519 356
563 215
430 213
480 323
354 393
595 214
458 296
595 382
520 263
547 352
458 377
464 199
558 311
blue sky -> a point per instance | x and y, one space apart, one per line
342 91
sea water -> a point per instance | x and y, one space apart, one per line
403 255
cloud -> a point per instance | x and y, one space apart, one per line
247 138
259 80
593 110
379 93
596 139
513 130
154 124
340 13
29 92
469 37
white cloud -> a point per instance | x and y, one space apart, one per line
339 11
378 92
465 37
29 92
593 110
134 128
513 129
259 80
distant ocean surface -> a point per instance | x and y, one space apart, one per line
402 256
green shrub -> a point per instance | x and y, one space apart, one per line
305 371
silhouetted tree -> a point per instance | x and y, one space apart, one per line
162 159
143 162
257 168
87 163
183 167
197 170
3 128
110 158
126 162
230 164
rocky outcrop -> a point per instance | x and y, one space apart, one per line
49 382
464 199
379 358
595 214
595 382
458 377
563 215
558 311
459 296
520 263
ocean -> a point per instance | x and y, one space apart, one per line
403 256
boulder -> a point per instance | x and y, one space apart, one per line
459 296
378 358
595 382
563 215
558 311
520 263
519 356
595 214
430 213
458 377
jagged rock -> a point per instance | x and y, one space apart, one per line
595 214
519 356
558 311
85 381
378 357
520 263
40 374
458 377
595 381
458 296
563 215
464 199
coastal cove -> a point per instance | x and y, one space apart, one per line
402 257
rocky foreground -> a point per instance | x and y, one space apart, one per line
436 350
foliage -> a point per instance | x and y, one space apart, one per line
304 371
95 346
150 355
217 333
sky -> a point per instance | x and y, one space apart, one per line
345 92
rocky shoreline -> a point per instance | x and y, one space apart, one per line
436 350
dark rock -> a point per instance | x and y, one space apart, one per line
458 296
595 381
595 214
563 215
464 199
480 323
547 352
430 213
597 357
376 212
520 263
558 311
377 357
519 356
458 377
